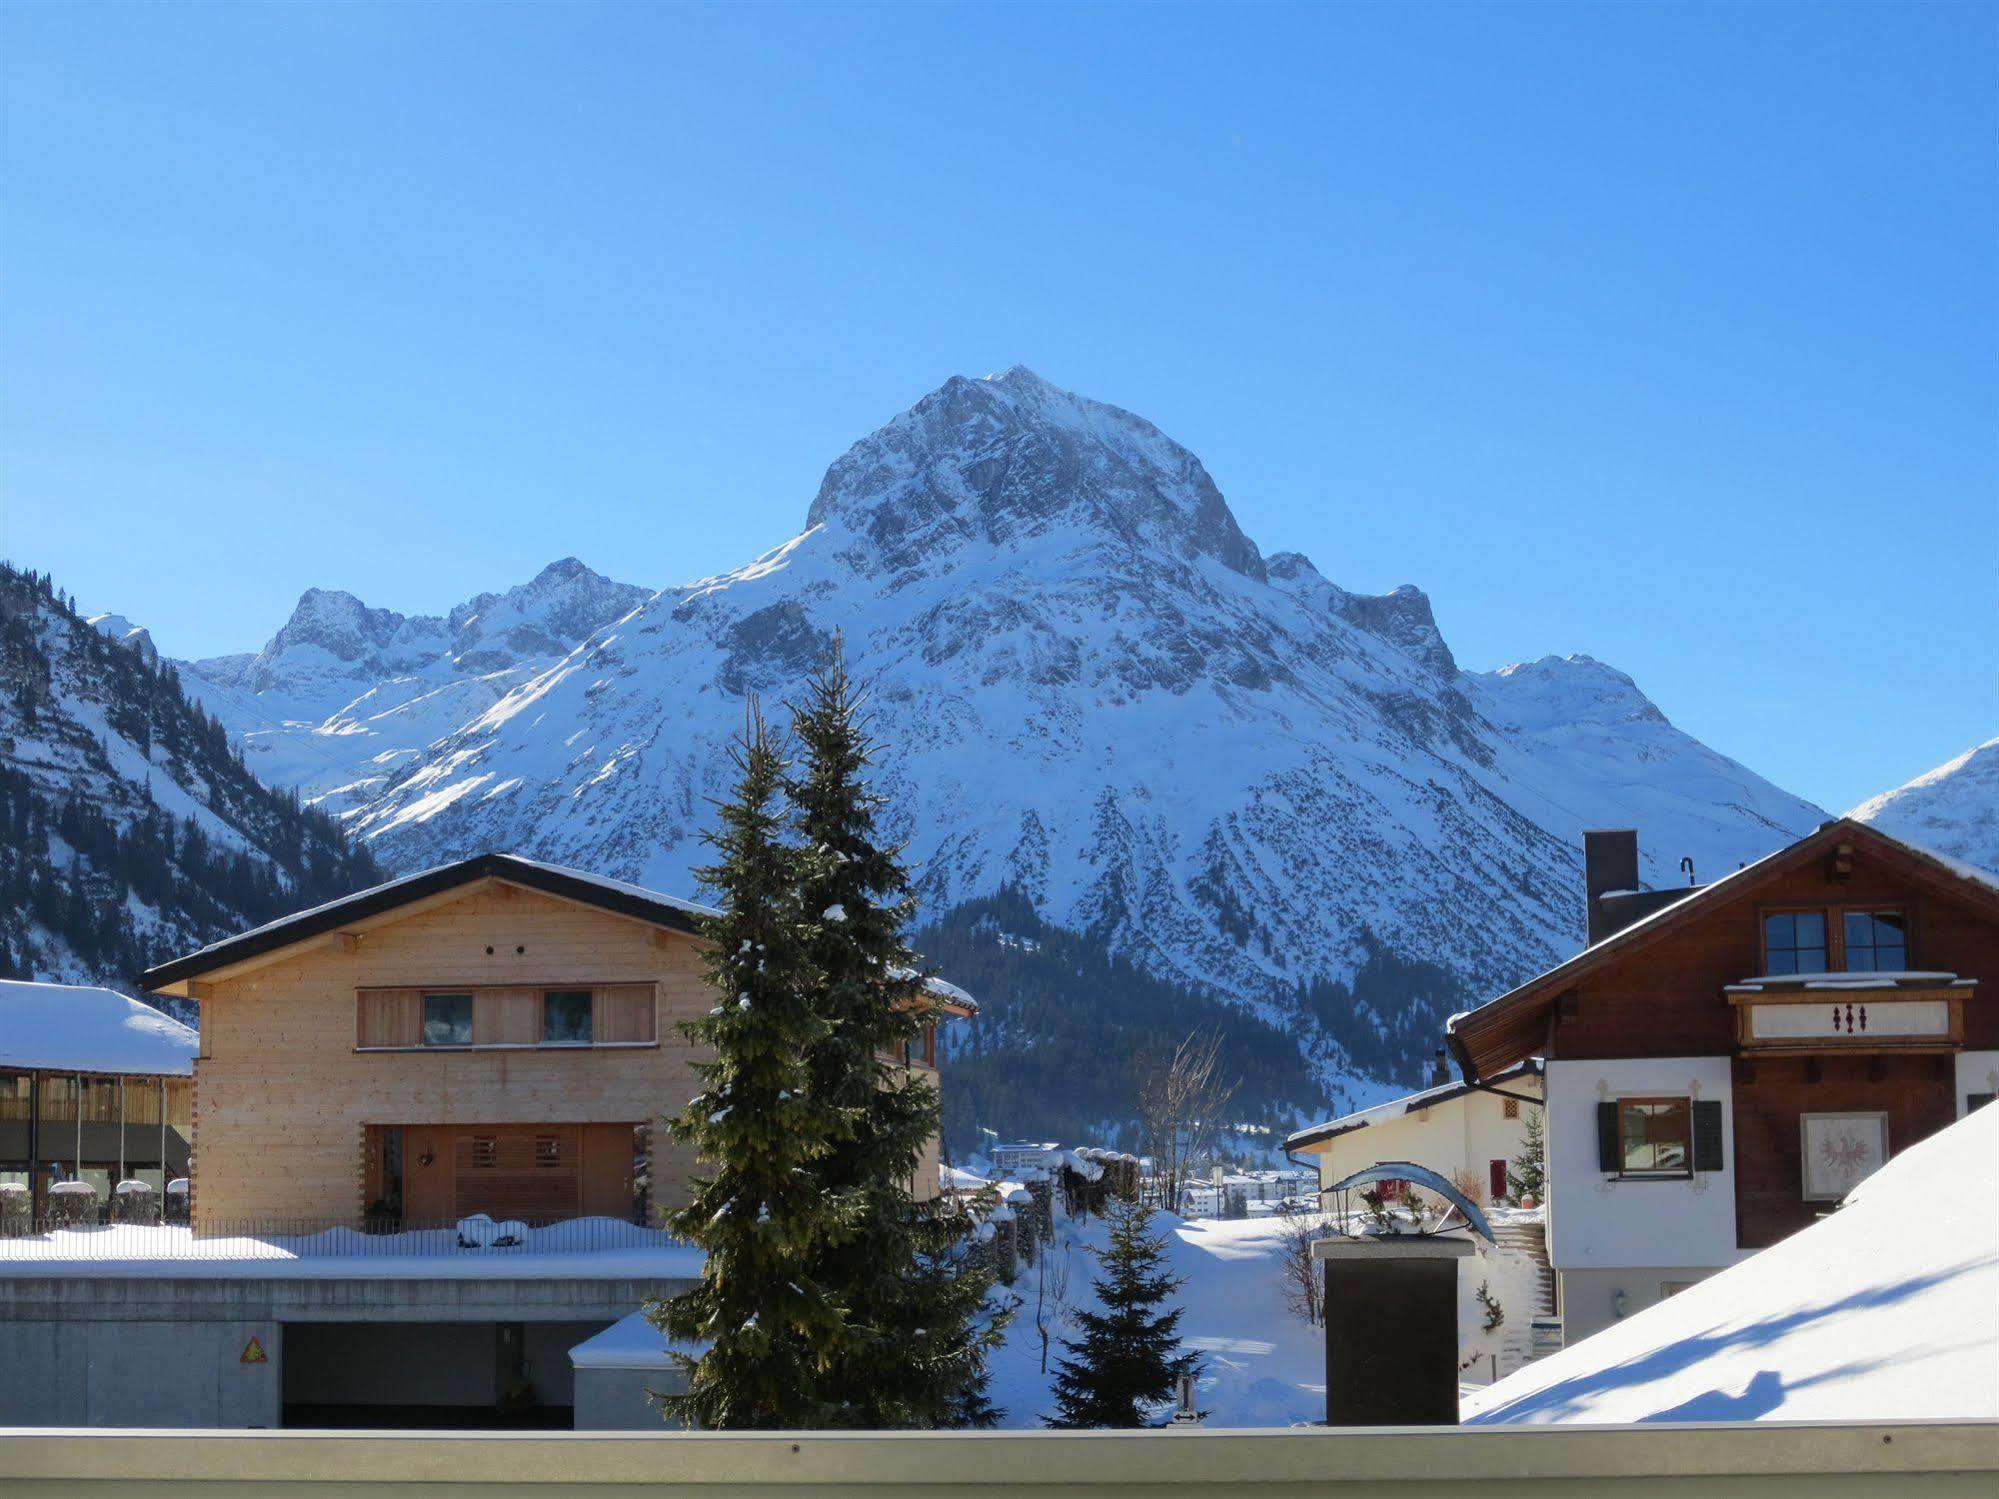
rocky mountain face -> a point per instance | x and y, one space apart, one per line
344 696
1953 809
1092 690
132 829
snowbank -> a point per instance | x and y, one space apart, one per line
79 1028
1887 1310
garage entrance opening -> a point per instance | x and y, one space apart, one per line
438 1375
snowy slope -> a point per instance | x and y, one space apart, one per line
132 830
1090 685
344 694
1953 809
1888 1310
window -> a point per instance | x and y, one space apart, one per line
1876 941
548 1150
1654 1136
565 1017
1509 1108
1794 942
485 1152
447 1020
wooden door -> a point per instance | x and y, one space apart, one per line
426 1174
607 1171
1496 1179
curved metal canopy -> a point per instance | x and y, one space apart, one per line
1422 1176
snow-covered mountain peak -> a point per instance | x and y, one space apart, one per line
1953 809
1013 460
135 638
1570 690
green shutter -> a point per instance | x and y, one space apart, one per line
1707 1134
1608 1155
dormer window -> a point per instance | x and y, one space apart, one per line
1794 942
1876 942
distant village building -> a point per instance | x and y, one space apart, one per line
94 1087
1469 1135
1725 1063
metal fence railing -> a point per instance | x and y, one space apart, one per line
322 1238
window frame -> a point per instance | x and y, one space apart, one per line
1685 1171
1877 908
589 994
423 1020
1835 931
1826 915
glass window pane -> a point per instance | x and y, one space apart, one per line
1859 929
1780 930
1782 960
1811 929
565 1016
447 1020
1859 959
1888 926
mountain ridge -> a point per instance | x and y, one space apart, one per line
1093 689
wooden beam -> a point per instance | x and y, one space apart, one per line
350 941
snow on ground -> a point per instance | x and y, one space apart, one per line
1262 1365
1887 1310
80 1028
582 1249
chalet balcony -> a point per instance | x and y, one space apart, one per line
1818 1013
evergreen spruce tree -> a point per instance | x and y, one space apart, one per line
913 1349
1128 1358
1527 1175
757 1128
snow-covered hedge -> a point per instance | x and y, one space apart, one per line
72 1205
135 1202
16 1208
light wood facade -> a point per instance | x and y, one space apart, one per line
317 1091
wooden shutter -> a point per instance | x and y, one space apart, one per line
506 1017
515 1171
622 1012
1609 1148
389 1017
1707 1134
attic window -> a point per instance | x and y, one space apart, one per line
1509 1108
447 1020
1876 941
1794 942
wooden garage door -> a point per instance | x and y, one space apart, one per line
530 1172
537 1173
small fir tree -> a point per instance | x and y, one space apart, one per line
912 1349
1128 1359
1527 1175
757 1128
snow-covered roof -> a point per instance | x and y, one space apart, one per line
79 1028
1402 1108
954 1180
629 1343
1888 1309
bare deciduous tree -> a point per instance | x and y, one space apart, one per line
1183 1105
1304 1293
1051 1297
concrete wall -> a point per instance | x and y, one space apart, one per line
156 1352
1773 1460
1600 1222
78 1373
618 1399
1589 1297
1466 1133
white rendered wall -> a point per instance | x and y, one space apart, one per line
1466 1133
1977 1072
1596 1222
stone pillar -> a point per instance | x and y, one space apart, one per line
1392 1329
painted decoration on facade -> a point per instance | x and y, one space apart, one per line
1841 1151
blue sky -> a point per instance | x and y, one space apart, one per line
1660 333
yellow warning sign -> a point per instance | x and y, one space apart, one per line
253 1352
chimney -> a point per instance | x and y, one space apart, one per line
1440 1070
1610 862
